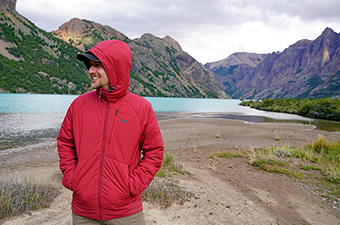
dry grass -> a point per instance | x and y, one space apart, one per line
164 189
19 194
165 192
319 155
213 163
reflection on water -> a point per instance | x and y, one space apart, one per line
327 125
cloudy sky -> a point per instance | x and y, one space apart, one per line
209 30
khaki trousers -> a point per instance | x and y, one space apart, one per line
136 219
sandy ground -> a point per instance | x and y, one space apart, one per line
233 193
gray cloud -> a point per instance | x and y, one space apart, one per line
208 30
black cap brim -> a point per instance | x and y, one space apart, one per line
86 58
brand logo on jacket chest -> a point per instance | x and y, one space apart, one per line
124 121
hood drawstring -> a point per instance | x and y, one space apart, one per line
101 92
100 95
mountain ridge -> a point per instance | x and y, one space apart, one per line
160 66
306 69
43 62
37 61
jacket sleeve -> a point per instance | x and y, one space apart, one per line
152 149
66 150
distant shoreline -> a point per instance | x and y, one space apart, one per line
331 126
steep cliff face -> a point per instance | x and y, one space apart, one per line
172 71
305 69
160 66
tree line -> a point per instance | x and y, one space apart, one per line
323 108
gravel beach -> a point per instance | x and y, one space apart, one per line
233 192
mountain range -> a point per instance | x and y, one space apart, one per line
160 66
306 69
35 61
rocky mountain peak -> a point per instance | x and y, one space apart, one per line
74 27
328 31
84 33
238 58
148 36
173 42
160 67
8 4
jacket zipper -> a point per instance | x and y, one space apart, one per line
113 127
100 206
101 165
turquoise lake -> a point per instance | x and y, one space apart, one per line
31 118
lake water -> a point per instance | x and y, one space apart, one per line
33 118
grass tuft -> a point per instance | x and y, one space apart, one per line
230 155
170 167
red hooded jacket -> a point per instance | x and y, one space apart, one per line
101 140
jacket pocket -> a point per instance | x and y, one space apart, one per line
115 180
85 181
78 173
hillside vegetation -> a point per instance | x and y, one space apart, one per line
40 63
324 108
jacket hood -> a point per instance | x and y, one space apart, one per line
116 58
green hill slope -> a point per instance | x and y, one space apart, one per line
36 61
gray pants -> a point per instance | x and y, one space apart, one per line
136 219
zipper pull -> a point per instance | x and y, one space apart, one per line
116 112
